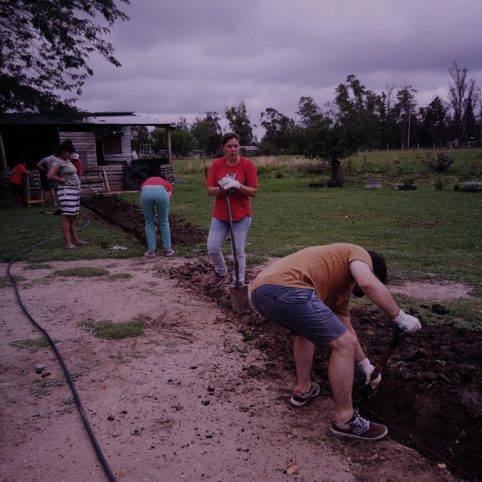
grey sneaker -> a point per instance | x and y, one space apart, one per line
169 252
216 280
359 428
150 254
301 399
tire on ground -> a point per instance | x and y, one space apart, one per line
133 178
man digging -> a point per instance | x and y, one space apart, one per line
309 293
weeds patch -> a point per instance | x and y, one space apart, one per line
120 276
5 280
115 331
32 344
81 272
37 266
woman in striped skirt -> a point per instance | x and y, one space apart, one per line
64 174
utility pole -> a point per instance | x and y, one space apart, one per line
408 133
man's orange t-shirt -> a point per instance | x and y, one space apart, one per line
326 269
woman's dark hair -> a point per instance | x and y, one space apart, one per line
227 137
66 146
379 267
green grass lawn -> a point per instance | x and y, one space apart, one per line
23 228
425 234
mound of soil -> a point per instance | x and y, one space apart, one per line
129 217
430 397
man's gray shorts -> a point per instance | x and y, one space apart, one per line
300 310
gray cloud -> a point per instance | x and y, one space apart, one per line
188 57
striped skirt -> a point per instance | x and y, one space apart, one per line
69 200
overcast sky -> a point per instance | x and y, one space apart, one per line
187 57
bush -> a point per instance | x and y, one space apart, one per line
441 163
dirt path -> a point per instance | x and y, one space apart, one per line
188 400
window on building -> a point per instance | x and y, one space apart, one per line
112 145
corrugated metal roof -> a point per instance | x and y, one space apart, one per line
101 118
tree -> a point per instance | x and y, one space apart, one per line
433 120
321 136
207 132
278 131
405 115
44 49
358 113
182 141
350 123
237 117
139 136
462 98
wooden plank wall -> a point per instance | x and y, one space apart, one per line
84 143
126 148
114 174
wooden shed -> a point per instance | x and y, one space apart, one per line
102 140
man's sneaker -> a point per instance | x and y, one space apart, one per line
301 399
169 252
150 254
359 428
216 280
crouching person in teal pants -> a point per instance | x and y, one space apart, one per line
156 193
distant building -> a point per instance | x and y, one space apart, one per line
249 151
102 140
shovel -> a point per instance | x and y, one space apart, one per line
238 292
398 335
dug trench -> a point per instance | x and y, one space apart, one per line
431 394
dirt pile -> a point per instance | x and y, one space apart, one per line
431 396
129 217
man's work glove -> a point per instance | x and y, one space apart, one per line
407 323
364 371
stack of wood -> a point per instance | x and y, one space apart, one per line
114 173
32 189
95 181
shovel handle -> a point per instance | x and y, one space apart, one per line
233 241
397 336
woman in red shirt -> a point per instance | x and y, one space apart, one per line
237 176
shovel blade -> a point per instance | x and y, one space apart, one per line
239 298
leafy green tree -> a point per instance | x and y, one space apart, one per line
321 136
44 50
405 115
238 119
207 132
278 134
359 111
139 136
182 141
350 123
434 123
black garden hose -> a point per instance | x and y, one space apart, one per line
105 466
